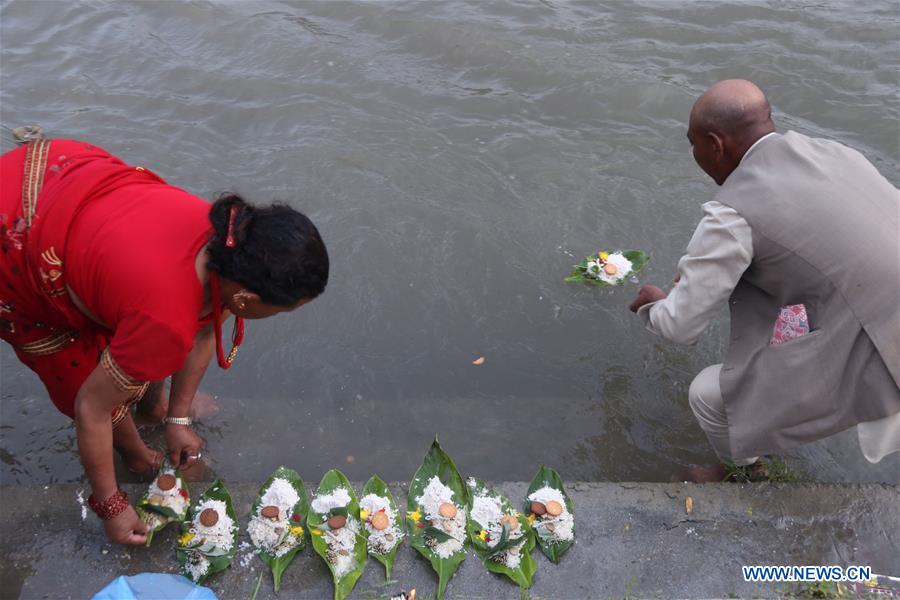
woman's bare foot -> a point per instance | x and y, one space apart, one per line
203 406
145 464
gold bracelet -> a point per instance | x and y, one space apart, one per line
178 420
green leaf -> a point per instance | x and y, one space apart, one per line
436 464
439 534
547 477
505 542
164 511
524 573
145 510
638 260
333 480
278 564
378 487
217 562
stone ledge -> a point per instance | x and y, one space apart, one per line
633 539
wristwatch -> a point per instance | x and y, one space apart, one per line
178 420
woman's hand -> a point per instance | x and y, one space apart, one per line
126 528
183 444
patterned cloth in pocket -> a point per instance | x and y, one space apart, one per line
792 322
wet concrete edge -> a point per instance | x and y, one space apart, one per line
632 539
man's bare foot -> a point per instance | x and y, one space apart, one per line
203 406
702 473
146 464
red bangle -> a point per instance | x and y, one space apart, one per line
111 507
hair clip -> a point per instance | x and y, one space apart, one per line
229 240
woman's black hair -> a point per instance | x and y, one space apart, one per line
277 252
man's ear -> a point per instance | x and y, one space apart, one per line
718 143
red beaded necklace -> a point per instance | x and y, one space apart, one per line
237 334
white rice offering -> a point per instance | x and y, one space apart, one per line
380 541
280 535
487 512
336 499
197 565
220 535
173 499
559 529
435 494
596 268
341 542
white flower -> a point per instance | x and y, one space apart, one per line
594 269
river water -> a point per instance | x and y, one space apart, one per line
457 158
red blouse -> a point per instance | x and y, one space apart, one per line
130 258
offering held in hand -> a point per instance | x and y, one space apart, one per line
166 482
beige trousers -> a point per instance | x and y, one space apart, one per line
705 397
877 439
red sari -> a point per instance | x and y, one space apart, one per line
75 218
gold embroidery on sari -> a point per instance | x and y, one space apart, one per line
123 380
52 275
35 164
50 344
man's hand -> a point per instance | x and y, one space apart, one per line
126 528
183 444
646 295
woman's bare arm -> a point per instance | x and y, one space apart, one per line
94 403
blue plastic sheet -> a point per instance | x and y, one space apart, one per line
154 586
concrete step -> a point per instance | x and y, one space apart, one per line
633 539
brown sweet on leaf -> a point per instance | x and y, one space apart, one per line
538 508
610 269
380 521
209 517
447 510
337 521
554 508
166 482
512 520
269 512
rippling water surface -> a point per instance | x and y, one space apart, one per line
457 157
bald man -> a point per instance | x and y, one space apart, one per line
806 231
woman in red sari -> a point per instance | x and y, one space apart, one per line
112 280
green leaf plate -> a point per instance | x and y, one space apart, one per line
319 529
162 515
219 559
299 512
521 575
436 464
547 477
378 487
638 260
